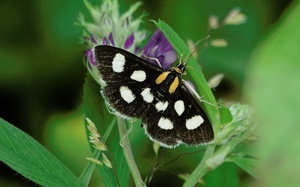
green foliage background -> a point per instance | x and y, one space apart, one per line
42 76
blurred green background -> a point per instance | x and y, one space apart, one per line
42 72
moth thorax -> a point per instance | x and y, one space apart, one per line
168 82
180 69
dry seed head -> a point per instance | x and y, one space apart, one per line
106 161
235 17
96 161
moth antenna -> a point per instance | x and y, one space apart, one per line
180 59
155 59
190 67
195 48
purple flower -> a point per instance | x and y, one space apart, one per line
159 48
129 41
93 39
109 40
89 55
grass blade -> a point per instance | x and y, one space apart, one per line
29 158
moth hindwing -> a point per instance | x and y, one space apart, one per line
135 88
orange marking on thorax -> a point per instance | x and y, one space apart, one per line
162 77
174 85
178 70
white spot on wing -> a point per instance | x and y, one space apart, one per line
179 107
160 106
138 75
194 122
126 94
118 63
147 95
165 123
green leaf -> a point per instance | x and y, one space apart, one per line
201 84
96 110
26 156
273 89
201 87
225 115
247 164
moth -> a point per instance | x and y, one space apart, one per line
135 88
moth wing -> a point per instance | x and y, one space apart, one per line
195 127
126 79
182 121
117 65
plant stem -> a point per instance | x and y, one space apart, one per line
201 169
125 143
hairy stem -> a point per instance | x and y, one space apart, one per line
125 143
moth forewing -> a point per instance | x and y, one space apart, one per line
135 88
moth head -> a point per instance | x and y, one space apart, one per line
180 68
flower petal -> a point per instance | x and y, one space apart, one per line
93 39
169 58
105 41
111 39
89 56
159 48
129 41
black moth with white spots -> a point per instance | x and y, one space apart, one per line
135 88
